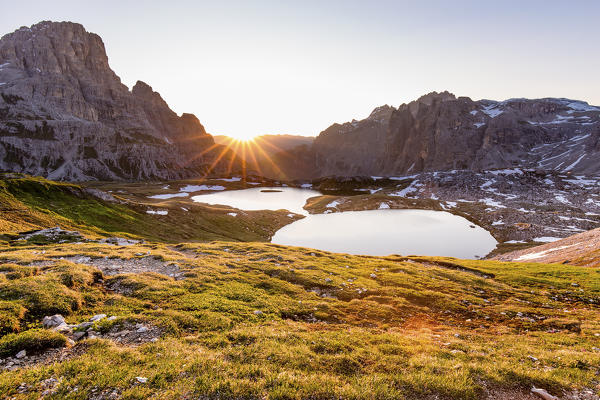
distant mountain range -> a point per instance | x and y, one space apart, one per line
65 115
440 132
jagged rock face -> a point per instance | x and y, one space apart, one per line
354 147
65 114
446 133
439 132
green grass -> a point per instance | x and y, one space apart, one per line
327 328
33 340
28 203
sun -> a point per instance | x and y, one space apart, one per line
244 139
241 138
253 151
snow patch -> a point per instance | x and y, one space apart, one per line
333 204
541 254
157 212
561 198
546 239
570 167
492 203
492 111
580 106
448 205
412 188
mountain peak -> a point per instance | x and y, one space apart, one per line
381 113
57 48
58 88
429 98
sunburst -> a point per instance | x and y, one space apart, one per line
251 152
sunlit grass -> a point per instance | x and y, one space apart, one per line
329 324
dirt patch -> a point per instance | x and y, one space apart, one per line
116 266
45 357
131 334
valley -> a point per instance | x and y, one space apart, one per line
446 248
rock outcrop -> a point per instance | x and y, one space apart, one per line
65 115
440 132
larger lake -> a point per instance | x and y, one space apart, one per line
376 232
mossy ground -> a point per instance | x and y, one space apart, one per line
253 320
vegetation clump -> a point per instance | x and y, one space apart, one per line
31 341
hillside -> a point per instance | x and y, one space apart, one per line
582 249
65 115
442 132
28 204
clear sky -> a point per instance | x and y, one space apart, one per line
255 67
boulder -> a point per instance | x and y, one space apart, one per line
53 321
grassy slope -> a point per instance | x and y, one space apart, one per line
416 327
33 203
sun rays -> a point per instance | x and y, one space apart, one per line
253 156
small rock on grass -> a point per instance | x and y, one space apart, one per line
141 379
98 317
541 393
53 321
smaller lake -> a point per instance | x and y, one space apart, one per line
376 232
261 198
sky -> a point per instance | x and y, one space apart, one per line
247 68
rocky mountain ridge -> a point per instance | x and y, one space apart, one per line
442 132
64 114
